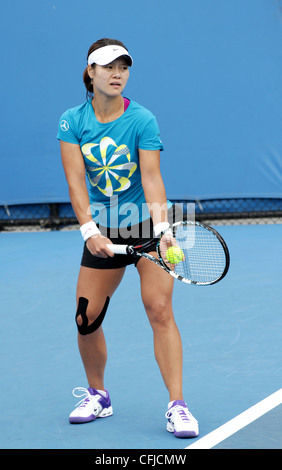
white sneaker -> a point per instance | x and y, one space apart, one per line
180 420
93 405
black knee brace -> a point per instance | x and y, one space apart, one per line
84 329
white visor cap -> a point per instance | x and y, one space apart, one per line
107 54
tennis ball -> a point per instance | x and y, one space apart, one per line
174 255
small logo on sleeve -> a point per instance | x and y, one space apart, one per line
64 125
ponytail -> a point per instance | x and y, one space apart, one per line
88 84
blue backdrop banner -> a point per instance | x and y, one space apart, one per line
210 71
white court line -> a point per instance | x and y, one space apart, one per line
239 422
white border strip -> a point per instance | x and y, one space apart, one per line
239 422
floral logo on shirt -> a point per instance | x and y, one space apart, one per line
109 168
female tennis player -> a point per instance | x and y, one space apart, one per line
117 143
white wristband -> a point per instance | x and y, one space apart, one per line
89 229
160 227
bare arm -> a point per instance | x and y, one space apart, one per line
75 174
153 185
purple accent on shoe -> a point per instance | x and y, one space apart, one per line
178 402
185 434
79 420
182 433
105 401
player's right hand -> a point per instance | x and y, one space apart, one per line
97 245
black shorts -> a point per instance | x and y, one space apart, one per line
136 235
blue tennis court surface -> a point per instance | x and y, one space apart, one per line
231 335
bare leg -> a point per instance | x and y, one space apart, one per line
156 290
95 285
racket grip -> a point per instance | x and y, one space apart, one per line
118 249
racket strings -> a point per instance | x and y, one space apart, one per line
204 258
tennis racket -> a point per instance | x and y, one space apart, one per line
203 256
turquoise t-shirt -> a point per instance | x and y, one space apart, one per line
110 152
